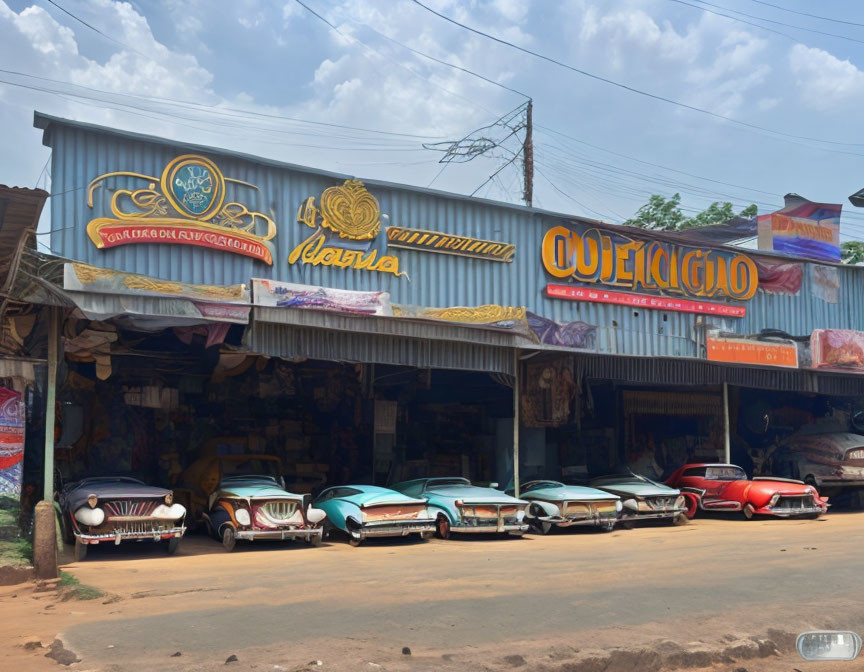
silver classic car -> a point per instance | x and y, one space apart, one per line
116 509
556 504
643 499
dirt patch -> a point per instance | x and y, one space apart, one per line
12 576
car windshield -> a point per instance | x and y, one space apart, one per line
444 482
539 485
729 473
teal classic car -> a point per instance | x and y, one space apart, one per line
554 503
458 506
258 507
363 511
643 499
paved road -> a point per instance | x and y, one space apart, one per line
544 598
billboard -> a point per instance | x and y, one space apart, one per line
802 228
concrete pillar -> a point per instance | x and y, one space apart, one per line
45 541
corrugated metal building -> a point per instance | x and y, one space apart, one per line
83 152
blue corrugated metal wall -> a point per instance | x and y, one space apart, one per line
82 153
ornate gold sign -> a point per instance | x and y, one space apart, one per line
446 243
186 205
345 224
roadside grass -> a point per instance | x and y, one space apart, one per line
73 589
15 551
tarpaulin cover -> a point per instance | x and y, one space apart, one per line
838 349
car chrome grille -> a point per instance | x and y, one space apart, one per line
660 503
129 508
792 503
279 510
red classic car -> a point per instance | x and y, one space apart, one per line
725 487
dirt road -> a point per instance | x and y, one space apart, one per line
716 594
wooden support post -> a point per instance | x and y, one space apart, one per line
516 422
528 156
727 453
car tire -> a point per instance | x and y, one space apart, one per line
80 553
442 527
354 541
607 527
229 538
66 528
541 527
173 545
316 540
749 512
628 524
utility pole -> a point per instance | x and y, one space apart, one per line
528 156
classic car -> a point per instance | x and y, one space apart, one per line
828 461
554 503
458 506
244 498
642 498
116 509
725 487
363 511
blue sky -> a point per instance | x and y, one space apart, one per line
276 58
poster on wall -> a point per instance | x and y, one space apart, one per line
11 442
838 349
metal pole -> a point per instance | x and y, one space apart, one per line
516 421
727 456
50 397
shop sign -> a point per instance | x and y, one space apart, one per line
602 257
748 351
275 294
596 295
838 349
346 224
802 229
187 205
446 243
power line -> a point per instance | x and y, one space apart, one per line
812 16
627 87
96 30
735 18
760 18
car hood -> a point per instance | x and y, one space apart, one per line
472 493
568 493
381 498
638 489
247 489
76 494
781 485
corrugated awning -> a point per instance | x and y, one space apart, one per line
300 334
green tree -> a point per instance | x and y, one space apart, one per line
852 252
665 214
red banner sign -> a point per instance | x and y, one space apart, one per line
744 351
112 234
594 295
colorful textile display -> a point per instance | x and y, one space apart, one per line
11 441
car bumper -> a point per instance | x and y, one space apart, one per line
490 529
120 537
389 528
571 521
792 512
282 534
650 515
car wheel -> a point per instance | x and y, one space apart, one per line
628 524
427 535
354 541
607 527
680 519
749 511
316 540
541 527
66 528
173 545
80 550
229 538
442 527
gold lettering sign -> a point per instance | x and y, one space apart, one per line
618 261
186 205
350 212
445 243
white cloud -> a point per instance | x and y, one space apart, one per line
823 79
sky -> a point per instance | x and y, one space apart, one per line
250 75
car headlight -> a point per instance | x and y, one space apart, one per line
90 517
618 505
681 502
520 514
242 516
631 504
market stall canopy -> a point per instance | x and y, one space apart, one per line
152 303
